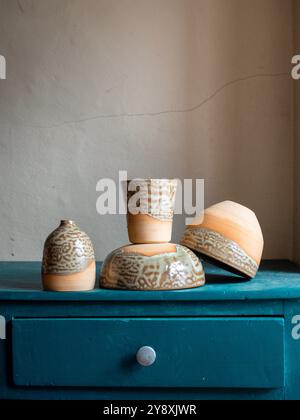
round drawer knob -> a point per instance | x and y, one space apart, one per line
146 356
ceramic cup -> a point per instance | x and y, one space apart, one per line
68 260
150 210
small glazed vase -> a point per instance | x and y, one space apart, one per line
150 210
229 235
152 267
68 260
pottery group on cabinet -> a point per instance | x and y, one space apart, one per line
227 234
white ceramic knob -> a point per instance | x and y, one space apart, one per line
146 356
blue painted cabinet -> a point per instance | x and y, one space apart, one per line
231 339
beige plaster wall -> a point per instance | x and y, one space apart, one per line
296 15
161 88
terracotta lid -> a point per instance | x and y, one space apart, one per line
228 234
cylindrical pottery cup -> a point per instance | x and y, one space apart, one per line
150 210
68 260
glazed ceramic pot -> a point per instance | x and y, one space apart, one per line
68 260
150 209
229 235
152 267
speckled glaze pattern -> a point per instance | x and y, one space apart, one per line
170 271
67 250
216 246
157 197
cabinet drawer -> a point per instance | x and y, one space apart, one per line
191 352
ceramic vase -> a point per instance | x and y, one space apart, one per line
152 267
68 260
229 235
150 209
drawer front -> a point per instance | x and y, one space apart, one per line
191 352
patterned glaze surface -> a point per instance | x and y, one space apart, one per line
165 271
156 197
216 246
67 250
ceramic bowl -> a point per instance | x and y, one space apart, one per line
150 208
68 260
229 235
152 267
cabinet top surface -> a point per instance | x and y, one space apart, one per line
275 280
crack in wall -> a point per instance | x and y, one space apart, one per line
20 6
163 112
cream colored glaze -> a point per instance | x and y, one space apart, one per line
82 281
149 250
236 223
144 229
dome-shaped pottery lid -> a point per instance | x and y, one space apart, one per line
228 234
152 267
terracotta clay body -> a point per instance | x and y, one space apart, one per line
143 228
